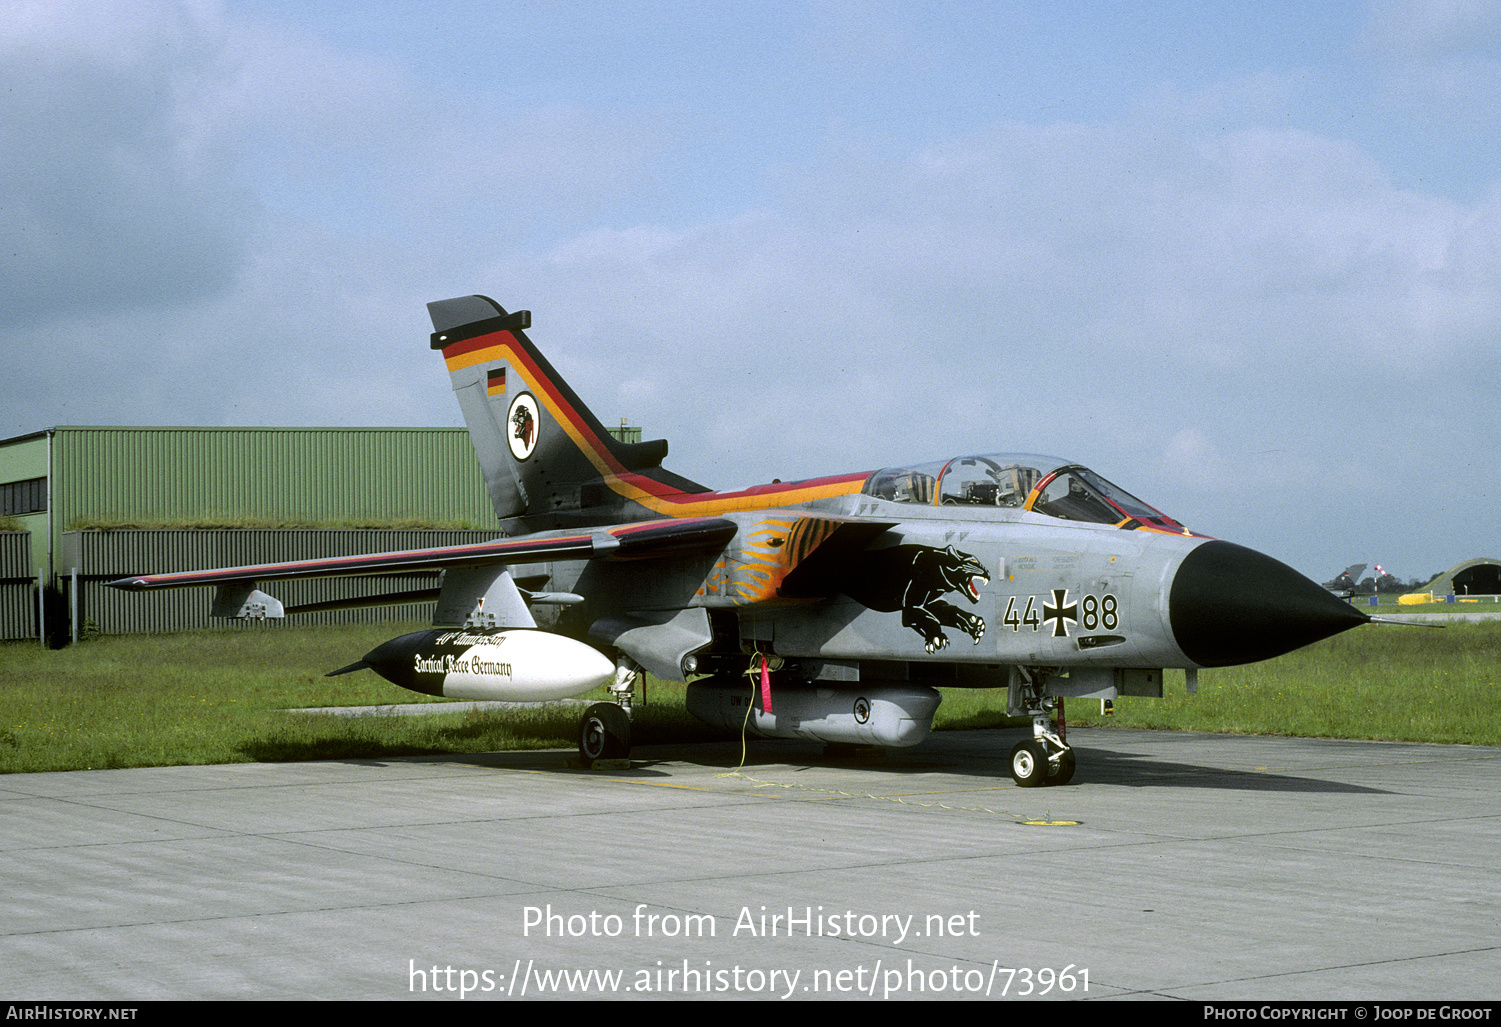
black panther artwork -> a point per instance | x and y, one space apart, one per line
911 578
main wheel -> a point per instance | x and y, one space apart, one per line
1029 764
605 733
1065 772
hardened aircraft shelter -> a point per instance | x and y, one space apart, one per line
1480 577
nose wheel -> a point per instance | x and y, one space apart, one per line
1032 766
1045 758
1029 764
1062 772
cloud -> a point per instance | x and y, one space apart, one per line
1429 31
214 220
1210 318
1440 59
356 140
107 199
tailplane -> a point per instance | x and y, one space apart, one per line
547 460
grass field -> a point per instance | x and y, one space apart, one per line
1381 681
215 697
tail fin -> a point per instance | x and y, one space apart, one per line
547 460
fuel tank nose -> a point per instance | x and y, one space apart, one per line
395 659
1229 605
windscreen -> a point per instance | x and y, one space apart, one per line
1078 494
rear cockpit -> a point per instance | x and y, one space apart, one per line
1020 481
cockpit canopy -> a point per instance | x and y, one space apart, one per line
1024 481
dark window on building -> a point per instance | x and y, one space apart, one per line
23 497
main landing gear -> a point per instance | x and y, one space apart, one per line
1045 758
605 733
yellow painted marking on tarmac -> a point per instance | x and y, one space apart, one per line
840 794
761 787
950 791
654 784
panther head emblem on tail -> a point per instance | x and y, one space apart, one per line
521 422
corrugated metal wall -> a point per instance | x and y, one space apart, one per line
17 586
299 474
102 556
218 475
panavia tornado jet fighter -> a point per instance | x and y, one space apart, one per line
827 609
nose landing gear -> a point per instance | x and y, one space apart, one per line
1046 758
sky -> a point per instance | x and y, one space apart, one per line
1242 259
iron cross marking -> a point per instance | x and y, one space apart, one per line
1060 614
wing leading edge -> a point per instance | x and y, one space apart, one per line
639 541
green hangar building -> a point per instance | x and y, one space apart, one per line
83 505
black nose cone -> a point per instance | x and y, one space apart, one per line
1230 604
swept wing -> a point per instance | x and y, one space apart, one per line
639 541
